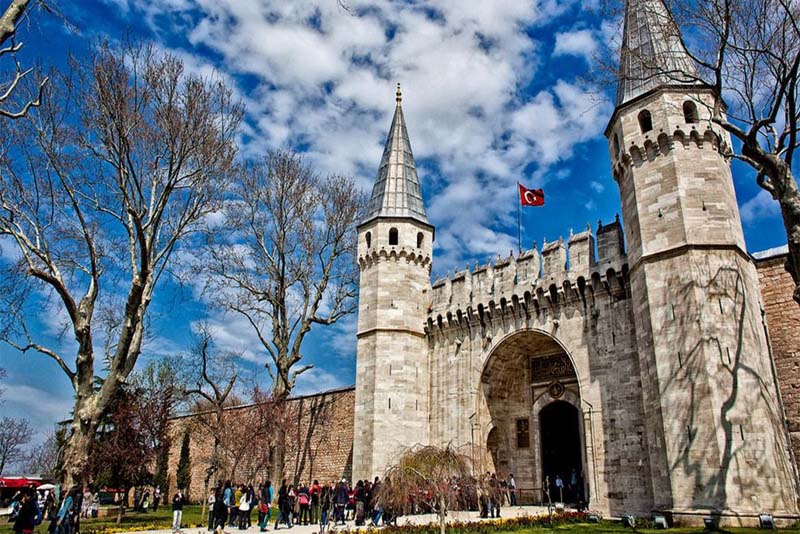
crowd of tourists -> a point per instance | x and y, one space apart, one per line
245 505
31 507
233 505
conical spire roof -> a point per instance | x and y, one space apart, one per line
652 52
396 192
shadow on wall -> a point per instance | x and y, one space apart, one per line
318 441
715 389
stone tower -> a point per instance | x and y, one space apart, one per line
714 431
395 243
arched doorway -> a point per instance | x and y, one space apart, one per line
559 428
524 374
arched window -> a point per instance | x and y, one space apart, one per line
690 112
616 145
392 236
369 239
420 239
645 121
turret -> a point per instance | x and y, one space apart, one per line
395 243
713 438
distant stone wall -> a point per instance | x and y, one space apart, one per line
319 442
783 323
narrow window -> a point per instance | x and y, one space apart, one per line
420 239
616 145
393 236
369 239
645 121
690 112
523 433
390 403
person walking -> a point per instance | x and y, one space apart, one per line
244 509
283 506
314 491
212 500
26 514
64 523
156 498
340 501
358 498
177 511
304 504
220 512
251 494
512 489
326 505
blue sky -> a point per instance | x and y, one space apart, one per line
494 92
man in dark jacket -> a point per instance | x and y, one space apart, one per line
26 516
284 506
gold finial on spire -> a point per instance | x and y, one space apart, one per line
399 95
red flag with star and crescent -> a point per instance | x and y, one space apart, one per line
530 197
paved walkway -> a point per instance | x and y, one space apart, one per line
516 511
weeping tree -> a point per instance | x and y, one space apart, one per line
748 53
441 474
124 159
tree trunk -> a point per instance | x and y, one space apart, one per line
279 458
442 517
121 510
76 453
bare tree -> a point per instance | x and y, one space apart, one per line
292 263
213 384
97 191
441 474
16 11
748 53
14 435
42 459
288 262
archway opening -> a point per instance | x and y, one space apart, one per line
524 373
560 433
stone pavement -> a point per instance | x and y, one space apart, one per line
508 512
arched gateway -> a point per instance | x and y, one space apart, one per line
535 419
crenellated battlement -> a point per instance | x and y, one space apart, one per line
412 255
562 272
648 147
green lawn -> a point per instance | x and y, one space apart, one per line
131 520
191 517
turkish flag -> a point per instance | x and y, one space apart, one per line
530 197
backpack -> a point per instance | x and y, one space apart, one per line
303 498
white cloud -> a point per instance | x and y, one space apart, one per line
596 186
323 77
580 43
760 206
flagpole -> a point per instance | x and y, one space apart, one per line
519 222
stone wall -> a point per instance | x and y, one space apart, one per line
783 320
319 442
